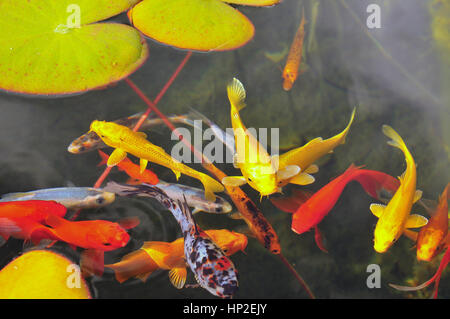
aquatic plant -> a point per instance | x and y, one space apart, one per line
57 46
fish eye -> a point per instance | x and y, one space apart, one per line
100 200
106 244
218 210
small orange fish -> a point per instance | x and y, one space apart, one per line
155 255
133 170
290 72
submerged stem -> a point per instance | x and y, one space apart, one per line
297 276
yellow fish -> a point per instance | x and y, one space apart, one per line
125 140
395 217
256 165
306 155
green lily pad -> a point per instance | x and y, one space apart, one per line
200 25
54 46
255 3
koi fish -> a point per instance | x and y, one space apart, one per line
91 141
124 140
309 209
70 197
432 237
194 196
395 217
213 270
170 256
290 72
306 155
256 166
23 219
133 170
250 213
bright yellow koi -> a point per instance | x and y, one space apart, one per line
395 217
256 165
306 155
124 140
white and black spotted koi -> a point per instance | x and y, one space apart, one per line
213 270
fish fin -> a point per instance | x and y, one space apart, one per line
177 277
288 172
177 174
197 210
235 160
234 181
411 234
311 169
286 204
415 221
417 195
142 165
116 157
377 209
236 94
104 157
345 131
92 262
143 277
314 141
302 179
235 215
160 252
245 230
318 237
211 186
54 221
396 140
8 226
17 195
129 222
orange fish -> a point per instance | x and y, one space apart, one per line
432 237
290 72
155 255
23 219
133 170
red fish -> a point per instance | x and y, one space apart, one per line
96 236
133 170
309 209
23 219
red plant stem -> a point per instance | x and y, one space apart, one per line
297 276
151 107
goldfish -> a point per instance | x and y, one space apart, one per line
133 170
432 237
170 256
213 270
290 72
91 141
306 155
256 165
70 197
395 217
23 219
124 140
194 196
309 209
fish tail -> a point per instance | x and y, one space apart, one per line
346 130
236 94
195 115
104 157
397 141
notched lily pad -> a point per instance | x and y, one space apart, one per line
200 25
51 47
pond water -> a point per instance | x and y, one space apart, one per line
396 74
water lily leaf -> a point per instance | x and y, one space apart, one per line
54 46
255 3
201 25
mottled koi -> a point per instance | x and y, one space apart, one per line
213 270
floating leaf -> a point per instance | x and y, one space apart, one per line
51 47
201 25
255 3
